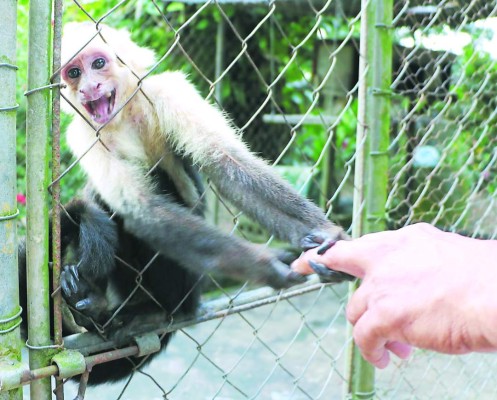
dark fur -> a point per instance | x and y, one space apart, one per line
103 251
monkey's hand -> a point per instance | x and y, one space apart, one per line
327 275
80 295
288 255
325 240
280 276
256 263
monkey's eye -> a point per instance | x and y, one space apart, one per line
98 63
74 73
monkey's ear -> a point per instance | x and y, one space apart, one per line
139 59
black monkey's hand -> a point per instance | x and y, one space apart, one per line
280 276
69 280
76 291
287 256
325 240
327 275
79 294
256 263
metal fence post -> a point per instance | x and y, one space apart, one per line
10 318
37 172
373 136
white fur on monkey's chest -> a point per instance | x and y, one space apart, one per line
117 166
127 145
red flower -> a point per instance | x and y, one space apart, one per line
21 199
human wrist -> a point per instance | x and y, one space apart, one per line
483 293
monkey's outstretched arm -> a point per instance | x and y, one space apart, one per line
176 232
202 132
265 197
186 238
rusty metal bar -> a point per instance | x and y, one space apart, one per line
55 187
92 343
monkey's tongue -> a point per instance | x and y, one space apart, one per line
101 109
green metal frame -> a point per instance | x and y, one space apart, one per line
38 124
10 312
371 170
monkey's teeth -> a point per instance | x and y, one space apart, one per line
108 95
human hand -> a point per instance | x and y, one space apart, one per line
421 287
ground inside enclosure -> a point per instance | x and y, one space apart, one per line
294 349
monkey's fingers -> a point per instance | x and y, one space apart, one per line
325 246
311 241
282 277
321 239
327 275
69 279
287 256
84 304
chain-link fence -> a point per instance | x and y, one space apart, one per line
381 113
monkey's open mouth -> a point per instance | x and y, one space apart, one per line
101 109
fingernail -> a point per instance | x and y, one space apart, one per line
325 247
82 304
383 361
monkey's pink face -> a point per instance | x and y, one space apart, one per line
93 83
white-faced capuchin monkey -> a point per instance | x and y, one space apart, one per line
155 133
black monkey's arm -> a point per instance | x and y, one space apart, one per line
88 238
177 233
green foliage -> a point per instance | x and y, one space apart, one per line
461 127
475 112
312 139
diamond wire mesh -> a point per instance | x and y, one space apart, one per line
290 347
288 76
442 158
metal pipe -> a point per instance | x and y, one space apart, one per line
38 124
10 318
373 135
36 375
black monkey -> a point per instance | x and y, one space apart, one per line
101 265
